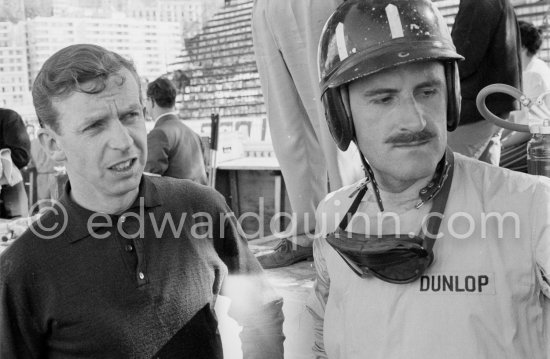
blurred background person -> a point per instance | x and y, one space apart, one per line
286 36
486 34
536 74
173 149
13 136
536 81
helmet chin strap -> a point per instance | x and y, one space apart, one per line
426 193
370 178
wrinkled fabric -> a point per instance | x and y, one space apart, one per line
129 285
485 296
9 173
174 150
286 36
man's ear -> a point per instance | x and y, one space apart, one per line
50 143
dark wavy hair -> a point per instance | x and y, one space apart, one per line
531 37
76 68
163 92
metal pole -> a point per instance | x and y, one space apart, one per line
215 122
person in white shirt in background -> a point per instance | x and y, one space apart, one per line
286 34
536 81
536 73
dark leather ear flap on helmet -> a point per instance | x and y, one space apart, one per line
453 95
339 123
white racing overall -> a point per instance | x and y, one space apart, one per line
483 297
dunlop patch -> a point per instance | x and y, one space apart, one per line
439 283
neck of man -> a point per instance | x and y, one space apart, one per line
526 60
408 189
161 111
95 202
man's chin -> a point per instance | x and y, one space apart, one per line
414 170
124 193
424 152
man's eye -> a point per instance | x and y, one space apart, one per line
93 126
383 100
131 116
429 92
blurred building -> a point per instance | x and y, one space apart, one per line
191 14
151 45
217 74
35 8
12 10
14 78
151 33
221 67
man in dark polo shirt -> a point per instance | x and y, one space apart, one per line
125 265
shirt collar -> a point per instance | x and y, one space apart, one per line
164 115
77 217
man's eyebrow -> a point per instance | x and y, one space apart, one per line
391 90
380 91
91 118
430 83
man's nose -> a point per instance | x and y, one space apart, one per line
413 116
120 136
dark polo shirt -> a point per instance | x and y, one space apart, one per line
125 286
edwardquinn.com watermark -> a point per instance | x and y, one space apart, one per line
457 225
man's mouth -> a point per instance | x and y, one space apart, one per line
123 166
411 143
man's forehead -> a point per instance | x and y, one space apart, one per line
116 98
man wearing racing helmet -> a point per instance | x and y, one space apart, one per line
433 254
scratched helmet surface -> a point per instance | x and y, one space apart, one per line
363 37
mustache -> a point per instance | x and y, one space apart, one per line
408 137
